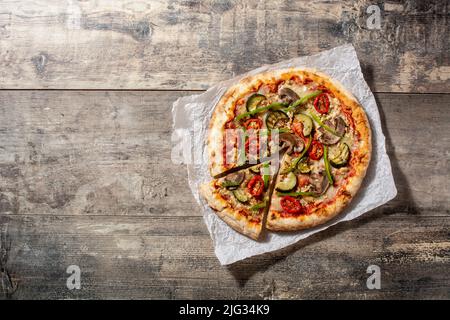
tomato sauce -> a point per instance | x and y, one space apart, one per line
255 220
299 81
348 114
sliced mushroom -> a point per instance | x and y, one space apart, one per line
327 137
319 182
340 126
290 142
324 187
288 94
317 179
233 180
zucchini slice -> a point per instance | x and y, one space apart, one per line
303 166
339 155
255 169
306 121
276 120
240 195
253 101
287 183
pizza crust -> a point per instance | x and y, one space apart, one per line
227 214
276 222
224 112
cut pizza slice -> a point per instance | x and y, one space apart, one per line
311 187
241 199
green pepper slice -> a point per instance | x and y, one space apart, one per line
298 194
296 160
323 125
303 100
266 175
274 106
327 165
258 206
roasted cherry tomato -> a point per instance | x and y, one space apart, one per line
253 124
322 103
291 205
316 151
256 186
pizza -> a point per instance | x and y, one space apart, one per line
309 121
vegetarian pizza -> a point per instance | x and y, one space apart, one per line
309 121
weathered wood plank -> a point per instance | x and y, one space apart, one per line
108 153
193 44
151 257
90 153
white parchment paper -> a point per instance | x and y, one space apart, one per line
191 117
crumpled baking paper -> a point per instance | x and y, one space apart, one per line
191 115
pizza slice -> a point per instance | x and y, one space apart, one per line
241 199
311 187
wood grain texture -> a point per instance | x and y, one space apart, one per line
142 257
192 44
97 153
86 179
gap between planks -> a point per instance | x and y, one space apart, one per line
192 90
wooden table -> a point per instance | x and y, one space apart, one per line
85 126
